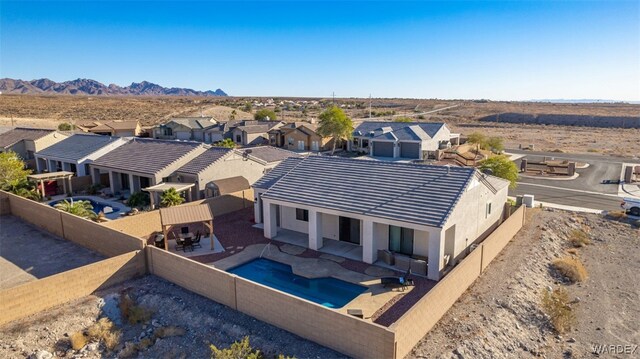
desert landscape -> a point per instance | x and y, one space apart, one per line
461 116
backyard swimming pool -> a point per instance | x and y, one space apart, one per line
97 206
330 292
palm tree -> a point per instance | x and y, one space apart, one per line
170 197
335 123
82 209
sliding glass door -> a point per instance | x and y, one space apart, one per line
401 240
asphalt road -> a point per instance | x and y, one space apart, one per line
584 191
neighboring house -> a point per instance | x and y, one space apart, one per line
116 128
250 133
142 163
75 153
202 129
299 136
27 141
218 163
408 140
423 212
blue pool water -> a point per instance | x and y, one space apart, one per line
97 206
330 292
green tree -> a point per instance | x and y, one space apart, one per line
13 174
65 126
265 114
247 107
403 119
333 122
501 166
170 198
232 115
495 144
227 142
478 138
80 208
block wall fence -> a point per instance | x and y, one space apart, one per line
130 257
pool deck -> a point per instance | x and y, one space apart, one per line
243 242
374 298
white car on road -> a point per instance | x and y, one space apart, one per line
632 205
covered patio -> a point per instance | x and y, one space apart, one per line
65 176
184 216
157 190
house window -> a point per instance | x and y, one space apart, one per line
355 142
401 240
73 168
290 141
87 169
302 214
168 131
488 210
238 138
365 143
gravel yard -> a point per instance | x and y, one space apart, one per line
500 315
204 322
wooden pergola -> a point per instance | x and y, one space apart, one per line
185 214
51 176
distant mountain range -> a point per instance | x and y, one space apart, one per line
95 88
582 101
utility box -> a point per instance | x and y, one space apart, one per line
528 200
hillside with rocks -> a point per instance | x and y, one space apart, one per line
95 88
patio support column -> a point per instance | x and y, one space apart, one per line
436 254
152 197
70 186
42 188
270 224
64 185
112 183
315 230
189 190
369 254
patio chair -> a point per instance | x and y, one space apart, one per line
179 242
196 240
401 282
187 244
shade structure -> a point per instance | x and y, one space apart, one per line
161 187
186 214
229 185
51 176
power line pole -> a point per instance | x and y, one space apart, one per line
369 106
333 94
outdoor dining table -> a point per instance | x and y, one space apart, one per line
186 235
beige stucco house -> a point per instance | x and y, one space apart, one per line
218 163
299 136
422 215
202 129
251 133
118 128
27 141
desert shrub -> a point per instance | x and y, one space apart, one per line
619 215
65 126
555 305
170 331
144 344
579 238
105 331
571 268
139 200
78 340
572 251
237 350
132 312
94 188
130 350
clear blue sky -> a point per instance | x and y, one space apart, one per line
512 50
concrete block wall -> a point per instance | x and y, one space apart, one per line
38 214
419 320
84 232
141 225
496 241
207 281
98 238
36 296
346 334
81 183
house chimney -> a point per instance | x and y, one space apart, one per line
448 169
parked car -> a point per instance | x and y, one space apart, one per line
632 205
